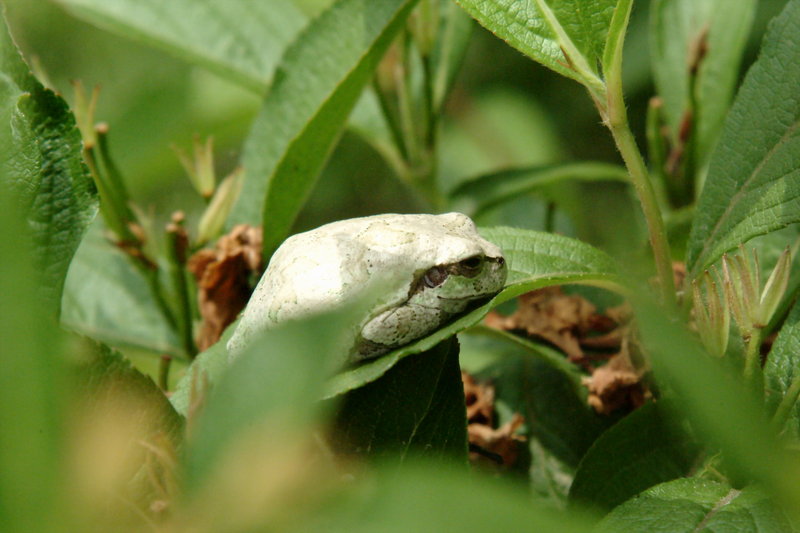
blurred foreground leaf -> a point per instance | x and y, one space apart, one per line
271 389
307 107
32 389
696 505
43 169
430 496
754 176
723 411
125 438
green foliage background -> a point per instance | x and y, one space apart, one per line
87 440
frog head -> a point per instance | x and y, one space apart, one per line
469 271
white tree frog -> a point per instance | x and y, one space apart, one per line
436 267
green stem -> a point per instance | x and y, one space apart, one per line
752 357
405 103
550 217
787 404
392 120
176 253
163 372
626 144
615 117
150 275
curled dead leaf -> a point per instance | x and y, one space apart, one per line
223 280
564 320
617 384
487 442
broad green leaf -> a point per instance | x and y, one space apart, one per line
106 299
718 404
533 256
754 177
535 259
42 168
430 496
270 391
643 449
474 196
678 27
544 29
307 106
106 376
415 409
782 368
32 389
696 505
239 39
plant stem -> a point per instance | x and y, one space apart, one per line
615 117
752 356
163 372
177 244
787 404
647 198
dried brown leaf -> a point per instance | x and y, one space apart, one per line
558 318
223 280
617 384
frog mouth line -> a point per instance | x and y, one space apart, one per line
479 298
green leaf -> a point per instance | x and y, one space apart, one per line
677 28
106 299
535 260
307 106
478 194
429 496
416 408
696 505
782 368
32 387
42 168
207 367
241 40
115 399
534 257
545 30
754 177
271 390
643 449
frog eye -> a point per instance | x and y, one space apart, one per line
471 263
469 267
434 277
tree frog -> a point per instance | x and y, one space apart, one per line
435 266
